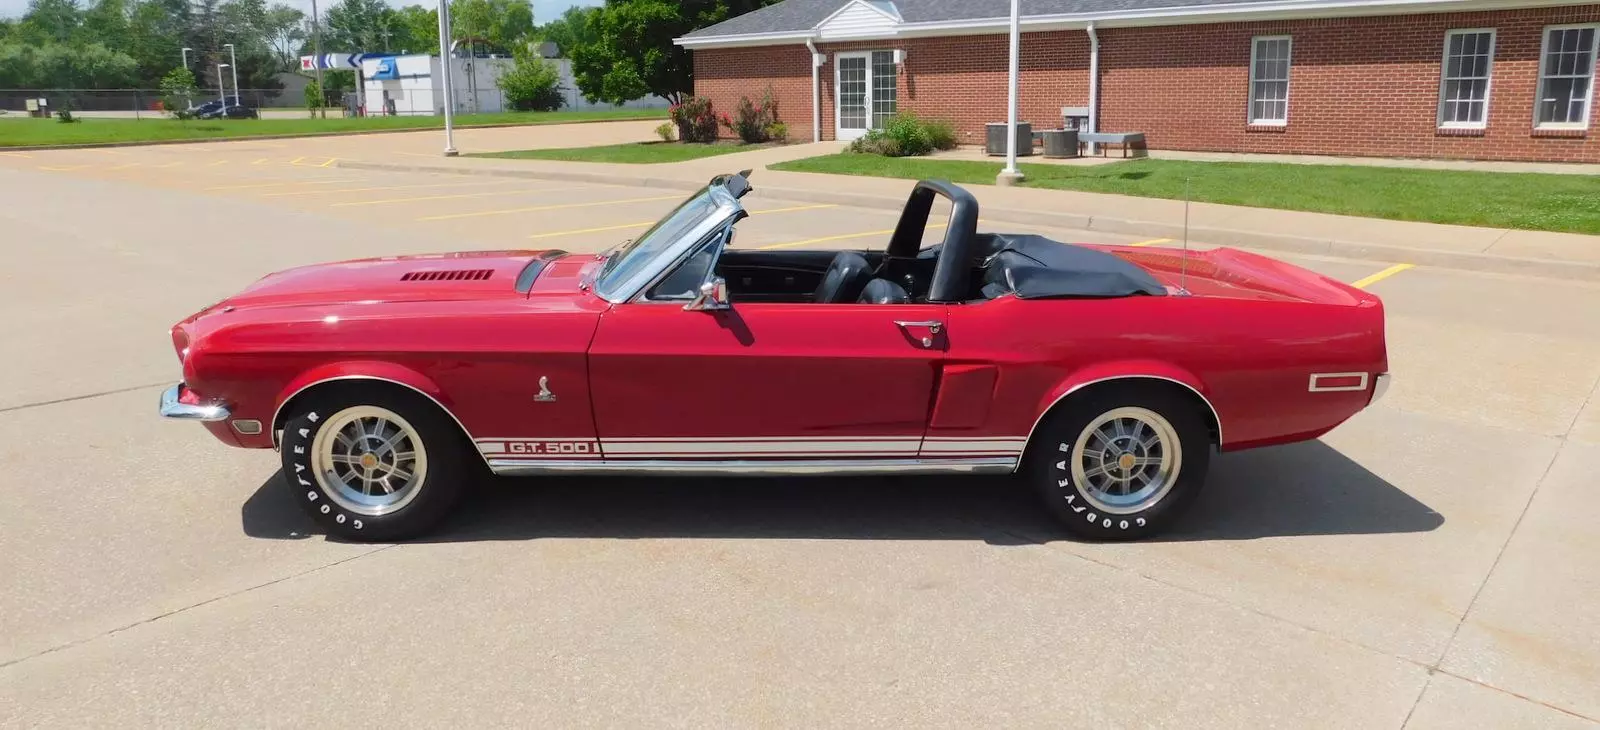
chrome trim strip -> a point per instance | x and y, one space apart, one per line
1081 386
171 408
1380 387
279 410
786 467
1315 377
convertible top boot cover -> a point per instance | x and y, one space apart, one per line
1035 267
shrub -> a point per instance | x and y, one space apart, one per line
753 123
695 119
666 131
905 136
313 97
531 84
177 89
777 131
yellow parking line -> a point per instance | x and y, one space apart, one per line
386 187
642 224
330 161
214 163
1152 242
62 168
17 154
124 167
290 181
1380 276
296 160
261 161
537 208
168 165
421 198
842 237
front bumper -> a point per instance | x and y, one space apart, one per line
173 406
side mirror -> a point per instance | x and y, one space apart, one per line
713 296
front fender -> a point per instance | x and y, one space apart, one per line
376 370
1124 370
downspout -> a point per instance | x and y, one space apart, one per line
816 94
1094 83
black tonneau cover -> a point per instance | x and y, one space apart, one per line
1035 267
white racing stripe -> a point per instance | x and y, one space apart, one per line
752 446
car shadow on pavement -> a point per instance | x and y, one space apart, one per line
1303 489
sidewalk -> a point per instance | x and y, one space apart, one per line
1561 255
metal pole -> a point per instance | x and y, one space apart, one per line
222 86
316 50
444 67
234 62
1011 175
186 98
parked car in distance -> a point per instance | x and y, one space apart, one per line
1105 376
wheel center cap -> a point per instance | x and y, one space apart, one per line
1125 462
369 461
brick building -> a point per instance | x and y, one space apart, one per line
1463 79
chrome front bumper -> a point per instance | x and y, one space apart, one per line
171 408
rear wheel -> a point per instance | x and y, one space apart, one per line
373 465
1121 463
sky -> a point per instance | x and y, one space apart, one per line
543 10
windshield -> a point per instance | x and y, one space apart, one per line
631 258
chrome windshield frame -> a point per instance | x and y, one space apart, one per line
727 209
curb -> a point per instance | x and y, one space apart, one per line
301 135
1309 245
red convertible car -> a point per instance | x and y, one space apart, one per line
1103 375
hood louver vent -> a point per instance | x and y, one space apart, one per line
453 275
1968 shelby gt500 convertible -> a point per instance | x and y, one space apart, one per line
1103 375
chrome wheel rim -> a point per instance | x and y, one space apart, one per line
1126 460
369 460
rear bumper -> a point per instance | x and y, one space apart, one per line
172 406
1380 385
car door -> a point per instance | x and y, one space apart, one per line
765 380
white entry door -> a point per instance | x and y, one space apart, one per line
864 85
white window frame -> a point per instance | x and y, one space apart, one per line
1488 80
1250 95
1594 64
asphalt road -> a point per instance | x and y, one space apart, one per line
1433 563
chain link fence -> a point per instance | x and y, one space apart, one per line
138 103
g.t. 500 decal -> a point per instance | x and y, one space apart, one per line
535 448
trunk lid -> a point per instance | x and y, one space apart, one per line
1234 274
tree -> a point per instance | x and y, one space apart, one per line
282 28
51 21
532 83
501 24
416 29
354 26
177 91
631 53
106 22
570 30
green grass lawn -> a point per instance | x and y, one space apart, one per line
25 132
633 152
1569 203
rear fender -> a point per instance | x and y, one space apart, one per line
1124 370
372 370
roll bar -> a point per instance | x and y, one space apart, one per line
955 256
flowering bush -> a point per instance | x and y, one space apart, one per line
755 123
695 119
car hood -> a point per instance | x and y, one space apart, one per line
474 275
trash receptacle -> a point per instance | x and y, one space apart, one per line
995 138
1061 143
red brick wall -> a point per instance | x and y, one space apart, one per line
1360 86
1357 86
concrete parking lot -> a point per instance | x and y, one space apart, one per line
1433 563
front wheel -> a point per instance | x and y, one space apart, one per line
373 465
1121 464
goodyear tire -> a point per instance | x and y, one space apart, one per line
372 464
1121 463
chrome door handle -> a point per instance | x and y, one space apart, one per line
933 325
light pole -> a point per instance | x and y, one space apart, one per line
222 87
316 50
444 66
1011 175
186 98
234 61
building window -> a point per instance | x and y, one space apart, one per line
1566 77
1464 80
1269 80
883 88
